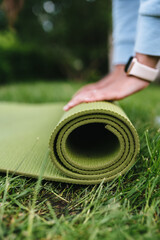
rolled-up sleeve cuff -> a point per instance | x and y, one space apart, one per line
122 51
148 35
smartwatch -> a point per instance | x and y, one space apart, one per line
134 68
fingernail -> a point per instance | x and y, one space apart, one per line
87 99
70 104
65 107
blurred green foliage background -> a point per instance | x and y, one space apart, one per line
56 39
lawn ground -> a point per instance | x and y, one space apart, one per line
126 208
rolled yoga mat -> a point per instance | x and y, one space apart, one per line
90 143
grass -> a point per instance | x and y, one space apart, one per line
126 208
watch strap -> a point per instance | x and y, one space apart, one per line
142 71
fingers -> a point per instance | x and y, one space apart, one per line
88 87
81 97
90 96
104 82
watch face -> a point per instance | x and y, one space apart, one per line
128 64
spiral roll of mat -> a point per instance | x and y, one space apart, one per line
94 141
90 143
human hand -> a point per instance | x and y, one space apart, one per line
116 86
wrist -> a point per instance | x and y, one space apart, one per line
119 68
148 60
142 67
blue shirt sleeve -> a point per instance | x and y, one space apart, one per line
148 32
125 15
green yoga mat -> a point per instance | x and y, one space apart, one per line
89 143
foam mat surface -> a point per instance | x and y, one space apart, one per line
89 143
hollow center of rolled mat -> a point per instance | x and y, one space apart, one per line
92 145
